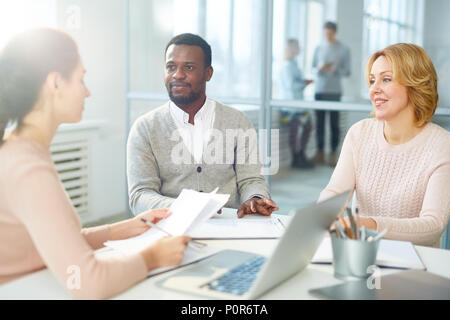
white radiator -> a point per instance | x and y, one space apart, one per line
71 153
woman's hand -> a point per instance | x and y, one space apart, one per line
134 226
368 222
167 251
153 216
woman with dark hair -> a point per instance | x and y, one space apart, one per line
42 86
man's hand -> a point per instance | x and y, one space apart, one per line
327 68
262 206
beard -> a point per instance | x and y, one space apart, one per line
184 100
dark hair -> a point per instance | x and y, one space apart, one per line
193 40
25 63
330 25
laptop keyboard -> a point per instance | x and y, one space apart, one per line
239 279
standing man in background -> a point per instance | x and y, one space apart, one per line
331 62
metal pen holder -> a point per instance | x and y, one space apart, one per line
351 258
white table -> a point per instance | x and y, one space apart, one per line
43 285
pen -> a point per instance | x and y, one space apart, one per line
281 223
378 236
358 232
199 245
340 230
363 233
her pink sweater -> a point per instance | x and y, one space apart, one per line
39 228
404 188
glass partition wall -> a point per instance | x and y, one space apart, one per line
249 39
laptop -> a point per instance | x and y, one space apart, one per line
234 274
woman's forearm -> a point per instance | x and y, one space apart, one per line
123 229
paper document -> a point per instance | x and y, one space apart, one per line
190 256
391 253
191 208
228 226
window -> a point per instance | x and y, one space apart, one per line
19 15
388 22
151 25
301 20
230 27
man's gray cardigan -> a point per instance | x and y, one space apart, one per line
159 165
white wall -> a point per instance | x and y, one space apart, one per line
100 37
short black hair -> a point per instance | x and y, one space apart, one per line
330 25
190 39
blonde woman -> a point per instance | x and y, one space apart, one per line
399 162
42 86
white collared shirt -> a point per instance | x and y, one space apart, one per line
195 136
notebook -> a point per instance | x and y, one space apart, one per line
228 226
190 256
391 254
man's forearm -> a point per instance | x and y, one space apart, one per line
145 200
257 187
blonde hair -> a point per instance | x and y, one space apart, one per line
289 49
412 68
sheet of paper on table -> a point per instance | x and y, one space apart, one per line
191 208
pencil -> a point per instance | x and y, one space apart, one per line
347 229
353 226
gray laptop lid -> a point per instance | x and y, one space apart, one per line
299 242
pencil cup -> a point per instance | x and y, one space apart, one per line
351 258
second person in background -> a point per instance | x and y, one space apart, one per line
331 62
292 84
